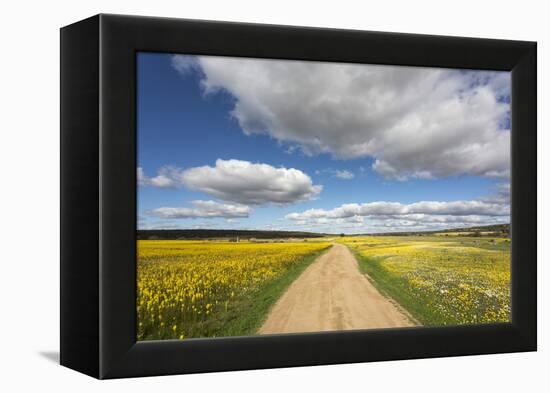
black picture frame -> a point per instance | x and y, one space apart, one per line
98 196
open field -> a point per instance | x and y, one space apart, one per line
207 289
213 288
440 280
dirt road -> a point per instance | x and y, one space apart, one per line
331 294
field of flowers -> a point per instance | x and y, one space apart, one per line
203 288
440 281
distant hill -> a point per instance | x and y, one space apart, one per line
485 230
505 228
182 234
173 234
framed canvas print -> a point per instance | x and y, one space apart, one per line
240 196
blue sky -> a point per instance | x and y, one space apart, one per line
196 114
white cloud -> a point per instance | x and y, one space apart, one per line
251 183
413 121
185 64
346 175
202 209
378 224
240 182
418 210
166 178
394 216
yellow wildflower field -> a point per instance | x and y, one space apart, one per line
440 280
199 288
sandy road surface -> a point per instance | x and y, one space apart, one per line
331 294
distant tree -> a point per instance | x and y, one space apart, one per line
342 235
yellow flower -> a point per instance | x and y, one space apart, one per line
185 281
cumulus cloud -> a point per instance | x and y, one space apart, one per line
202 209
251 183
240 182
185 64
395 223
385 216
413 122
454 208
166 178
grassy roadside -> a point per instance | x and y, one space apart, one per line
440 283
396 289
247 313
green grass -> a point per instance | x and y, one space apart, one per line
395 288
441 285
247 313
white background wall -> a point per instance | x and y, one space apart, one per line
29 179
